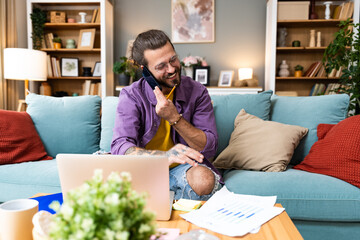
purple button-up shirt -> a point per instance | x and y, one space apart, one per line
136 121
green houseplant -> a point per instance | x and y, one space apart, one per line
38 19
126 69
298 70
343 52
57 42
103 210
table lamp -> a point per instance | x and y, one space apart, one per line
245 73
25 64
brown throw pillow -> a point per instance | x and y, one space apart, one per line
260 145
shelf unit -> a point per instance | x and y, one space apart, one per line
101 52
303 55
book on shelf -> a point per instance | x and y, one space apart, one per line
94 15
49 40
337 10
332 73
338 72
97 18
315 69
321 72
49 66
347 10
91 88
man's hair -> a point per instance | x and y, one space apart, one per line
152 39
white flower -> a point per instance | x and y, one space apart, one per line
87 223
98 175
126 176
109 234
114 177
112 199
122 235
144 228
67 211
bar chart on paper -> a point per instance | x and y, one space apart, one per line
234 214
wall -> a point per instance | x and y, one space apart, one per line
239 32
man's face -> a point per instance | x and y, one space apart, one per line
164 64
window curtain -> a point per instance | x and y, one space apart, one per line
9 89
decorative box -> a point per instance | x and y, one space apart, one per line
293 10
57 17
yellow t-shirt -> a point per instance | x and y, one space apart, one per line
162 140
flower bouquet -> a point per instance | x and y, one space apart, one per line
102 210
192 61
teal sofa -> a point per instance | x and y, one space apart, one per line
321 207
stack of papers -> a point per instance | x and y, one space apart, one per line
233 214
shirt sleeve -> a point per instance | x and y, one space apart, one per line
204 119
127 124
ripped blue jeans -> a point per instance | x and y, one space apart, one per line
182 189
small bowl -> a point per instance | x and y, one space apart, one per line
71 20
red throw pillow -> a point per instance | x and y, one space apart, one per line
337 152
19 140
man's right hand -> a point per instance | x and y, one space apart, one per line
183 154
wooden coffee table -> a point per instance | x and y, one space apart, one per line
280 227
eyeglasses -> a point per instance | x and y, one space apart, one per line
162 67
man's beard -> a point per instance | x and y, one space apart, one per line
163 82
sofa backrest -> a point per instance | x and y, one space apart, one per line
68 124
226 107
308 112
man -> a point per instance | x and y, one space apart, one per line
179 124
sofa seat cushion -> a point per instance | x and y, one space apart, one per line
23 180
227 107
66 124
304 195
308 112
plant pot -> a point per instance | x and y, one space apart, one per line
298 73
123 79
57 45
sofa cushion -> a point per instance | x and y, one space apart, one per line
305 196
19 141
256 144
23 180
109 105
337 153
226 107
308 112
67 124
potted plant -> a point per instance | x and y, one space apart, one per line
126 69
57 42
38 19
101 209
343 52
298 71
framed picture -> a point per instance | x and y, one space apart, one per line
225 78
202 75
192 21
97 70
86 38
69 67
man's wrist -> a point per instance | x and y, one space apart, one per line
177 120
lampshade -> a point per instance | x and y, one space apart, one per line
25 64
245 73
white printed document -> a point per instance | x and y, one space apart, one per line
233 214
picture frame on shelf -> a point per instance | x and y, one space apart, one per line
97 69
202 75
86 38
199 28
69 67
226 78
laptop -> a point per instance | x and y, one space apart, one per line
148 173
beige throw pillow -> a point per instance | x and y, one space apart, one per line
260 145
